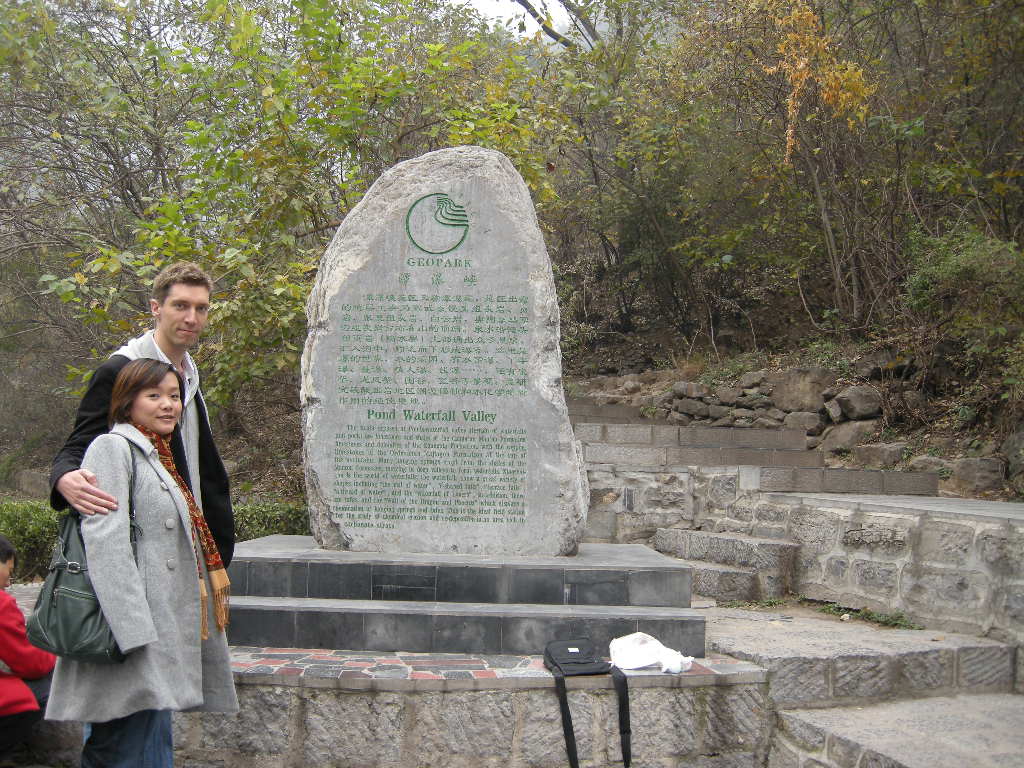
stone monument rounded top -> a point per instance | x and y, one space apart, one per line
433 413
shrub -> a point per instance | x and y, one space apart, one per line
971 288
32 528
265 518
966 281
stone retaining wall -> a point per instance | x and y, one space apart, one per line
955 572
948 570
628 505
310 726
328 727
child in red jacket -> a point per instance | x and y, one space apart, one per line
20 702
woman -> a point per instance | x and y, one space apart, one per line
168 611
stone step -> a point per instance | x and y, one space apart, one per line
725 583
727 548
980 731
600 574
819 661
657 456
771 479
514 628
694 437
733 583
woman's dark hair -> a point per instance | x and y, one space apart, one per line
136 376
7 550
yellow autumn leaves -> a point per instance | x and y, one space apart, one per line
807 59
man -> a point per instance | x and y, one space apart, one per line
180 306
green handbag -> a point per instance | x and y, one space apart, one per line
67 619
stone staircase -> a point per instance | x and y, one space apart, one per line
854 695
765 518
731 566
755 562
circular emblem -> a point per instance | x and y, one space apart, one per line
436 224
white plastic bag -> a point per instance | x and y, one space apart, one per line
641 650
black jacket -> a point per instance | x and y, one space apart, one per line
91 420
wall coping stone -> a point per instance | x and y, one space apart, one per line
936 507
413 672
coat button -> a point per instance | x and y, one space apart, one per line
171 564
169 523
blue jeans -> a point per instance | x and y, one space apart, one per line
140 740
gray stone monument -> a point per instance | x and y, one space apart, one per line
433 414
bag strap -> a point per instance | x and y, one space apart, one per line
622 694
563 704
134 530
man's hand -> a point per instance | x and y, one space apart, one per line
79 489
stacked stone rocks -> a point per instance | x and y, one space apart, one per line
798 398
838 419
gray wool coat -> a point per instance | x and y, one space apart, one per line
152 608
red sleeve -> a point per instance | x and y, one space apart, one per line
24 659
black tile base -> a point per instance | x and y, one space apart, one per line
450 627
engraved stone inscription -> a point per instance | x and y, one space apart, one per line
394 349
462 474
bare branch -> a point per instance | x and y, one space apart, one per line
542 21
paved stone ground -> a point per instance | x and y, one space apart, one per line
983 731
819 661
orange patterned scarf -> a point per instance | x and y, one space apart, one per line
207 547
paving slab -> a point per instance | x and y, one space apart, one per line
975 731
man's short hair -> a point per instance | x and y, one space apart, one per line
186 272
7 550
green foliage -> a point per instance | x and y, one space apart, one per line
256 519
969 287
966 281
32 528
897 619
727 370
767 603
